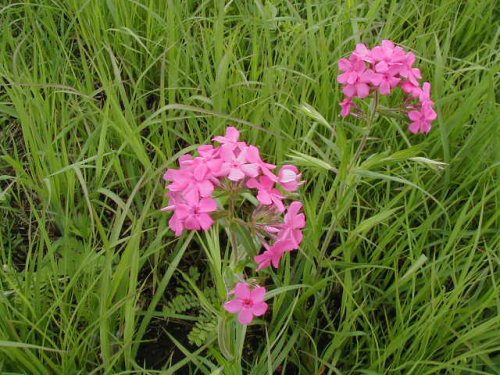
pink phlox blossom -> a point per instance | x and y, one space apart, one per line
237 165
385 81
247 303
289 177
387 55
267 258
413 75
272 255
425 94
175 223
195 215
363 52
267 193
354 77
295 221
253 156
411 89
382 69
422 119
211 157
193 181
230 141
347 104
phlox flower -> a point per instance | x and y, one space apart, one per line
422 119
354 77
293 225
193 182
195 215
247 303
272 255
411 89
175 223
267 193
289 177
253 156
288 237
385 81
230 141
413 75
363 52
347 104
382 69
238 166
228 172
387 55
425 94
210 157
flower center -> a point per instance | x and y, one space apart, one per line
247 302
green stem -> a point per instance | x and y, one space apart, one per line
232 236
371 121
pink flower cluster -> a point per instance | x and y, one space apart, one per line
234 167
382 69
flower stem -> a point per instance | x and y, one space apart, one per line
232 235
371 121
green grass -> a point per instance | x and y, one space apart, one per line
399 269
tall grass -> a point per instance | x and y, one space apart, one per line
398 272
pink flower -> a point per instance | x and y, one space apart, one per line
289 177
248 303
294 222
210 156
363 53
194 181
425 94
422 120
386 80
230 140
253 156
347 104
238 166
195 215
289 238
175 223
387 55
413 75
267 258
273 254
267 194
384 68
354 77
411 89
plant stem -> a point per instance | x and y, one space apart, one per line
232 236
371 120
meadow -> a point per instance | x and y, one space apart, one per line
398 271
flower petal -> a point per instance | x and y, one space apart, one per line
233 306
251 170
258 294
206 188
205 221
242 291
236 174
363 90
260 308
245 316
207 205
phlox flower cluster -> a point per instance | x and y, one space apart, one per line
222 173
382 69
